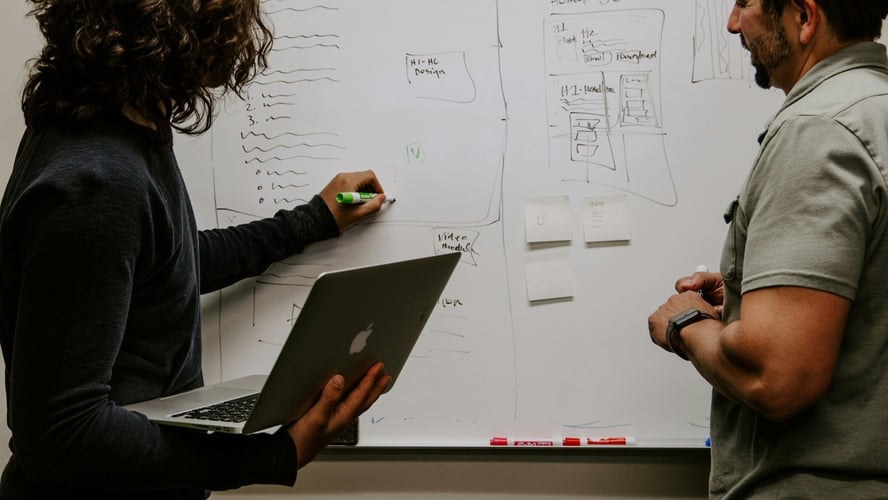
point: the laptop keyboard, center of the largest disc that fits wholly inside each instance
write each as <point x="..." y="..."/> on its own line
<point x="237" y="410"/>
<point x="234" y="410"/>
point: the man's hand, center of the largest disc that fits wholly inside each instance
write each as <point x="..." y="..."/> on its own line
<point x="659" y="319"/>
<point x="710" y="286"/>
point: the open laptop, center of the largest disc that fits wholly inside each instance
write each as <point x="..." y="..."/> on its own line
<point x="351" y="319"/>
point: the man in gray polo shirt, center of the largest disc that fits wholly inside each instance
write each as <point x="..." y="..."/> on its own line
<point x="793" y="333"/>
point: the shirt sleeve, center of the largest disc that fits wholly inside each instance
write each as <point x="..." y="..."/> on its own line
<point x="232" y="254"/>
<point x="812" y="208"/>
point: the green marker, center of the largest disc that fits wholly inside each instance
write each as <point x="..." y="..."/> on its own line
<point x="356" y="197"/>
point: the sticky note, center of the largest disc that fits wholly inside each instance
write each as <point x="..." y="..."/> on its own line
<point x="548" y="276"/>
<point x="606" y="218"/>
<point x="547" y="219"/>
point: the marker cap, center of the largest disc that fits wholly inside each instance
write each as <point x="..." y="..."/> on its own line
<point x="499" y="441"/>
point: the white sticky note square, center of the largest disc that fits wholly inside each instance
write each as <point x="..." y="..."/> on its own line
<point x="606" y="218"/>
<point x="548" y="276"/>
<point x="547" y="218"/>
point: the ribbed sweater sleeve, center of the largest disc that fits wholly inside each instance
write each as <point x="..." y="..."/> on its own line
<point x="231" y="254"/>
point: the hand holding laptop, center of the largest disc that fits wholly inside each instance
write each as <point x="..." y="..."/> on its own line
<point x="331" y="413"/>
<point x="359" y="330"/>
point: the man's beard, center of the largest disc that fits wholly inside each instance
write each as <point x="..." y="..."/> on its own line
<point x="767" y="51"/>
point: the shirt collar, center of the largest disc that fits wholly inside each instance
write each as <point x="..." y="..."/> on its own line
<point x="854" y="56"/>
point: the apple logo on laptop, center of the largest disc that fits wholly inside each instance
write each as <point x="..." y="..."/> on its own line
<point x="360" y="341"/>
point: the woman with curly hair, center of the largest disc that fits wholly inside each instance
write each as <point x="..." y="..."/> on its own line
<point x="102" y="265"/>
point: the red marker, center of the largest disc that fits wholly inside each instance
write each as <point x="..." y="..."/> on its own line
<point x="521" y="442"/>
<point x="552" y="442"/>
<point x="610" y="441"/>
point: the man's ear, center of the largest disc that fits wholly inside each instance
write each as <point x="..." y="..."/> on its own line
<point x="807" y="17"/>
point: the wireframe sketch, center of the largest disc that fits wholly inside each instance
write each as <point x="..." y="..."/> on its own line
<point x="717" y="53"/>
<point x="351" y="86"/>
<point x="603" y="97"/>
<point x="419" y="91"/>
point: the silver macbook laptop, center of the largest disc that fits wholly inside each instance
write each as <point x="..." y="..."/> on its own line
<point x="351" y="319"/>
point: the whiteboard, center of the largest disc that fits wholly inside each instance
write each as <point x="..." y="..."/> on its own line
<point x="471" y="112"/>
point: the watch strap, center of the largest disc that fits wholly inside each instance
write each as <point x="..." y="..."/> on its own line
<point x="679" y="321"/>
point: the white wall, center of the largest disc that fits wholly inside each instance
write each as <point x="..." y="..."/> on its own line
<point x="368" y="474"/>
<point x="603" y="476"/>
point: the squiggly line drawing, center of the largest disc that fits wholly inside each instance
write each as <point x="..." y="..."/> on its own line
<point x="581" y="105"/>
<point x="288" y="186"/>
<point x="275" y="96"/>
<point x="307" y="47"/>
<point x="274" y="104"/>
<point x="287" y="158"/>
<point x="285" y="172"/>
<point x="305" y="37"/>
<point x="244" y="135"/>
<point x="290" y="200"/>
<point x="293" y="82"/>
<point x="294" y="9"/>
<point x="294" y="146"/>
<point x="297" y="70"/>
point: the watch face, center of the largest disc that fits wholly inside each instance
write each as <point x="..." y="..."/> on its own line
<point x="684" y="316"/>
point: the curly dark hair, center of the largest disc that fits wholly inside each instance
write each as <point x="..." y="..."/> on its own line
<point x="168" y="60"/>
<point x="850" y="19"/>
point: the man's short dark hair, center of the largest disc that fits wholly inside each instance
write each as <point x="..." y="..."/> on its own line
<point x="849" y="19"/>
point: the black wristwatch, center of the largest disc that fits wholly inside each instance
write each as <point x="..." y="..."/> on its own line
<point x="679" y="321"/>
